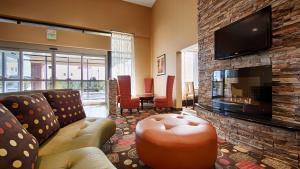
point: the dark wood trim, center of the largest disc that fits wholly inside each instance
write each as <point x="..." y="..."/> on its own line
<point x="177" y="109"/>
<point x="19" y="20"/>
<point x="109" y="65"/>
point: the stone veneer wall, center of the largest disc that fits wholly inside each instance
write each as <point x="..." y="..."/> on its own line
<point x="284" y="57"/>
<point x="112" y="93"/>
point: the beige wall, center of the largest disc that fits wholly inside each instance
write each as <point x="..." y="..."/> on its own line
<point x="37" y="35"/>
<point x="174" y="27"/>
<point x="109" y="15"/>
<point x="113" y="15"/>
<point x="142" y="62"/>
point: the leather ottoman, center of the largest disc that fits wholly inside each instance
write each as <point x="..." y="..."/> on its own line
<point x="173" y="141"/>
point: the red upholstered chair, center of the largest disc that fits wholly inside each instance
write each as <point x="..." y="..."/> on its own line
<point x="166" y="101"/>
<point x="126" y="101"/>
<point x="148" y="84"/>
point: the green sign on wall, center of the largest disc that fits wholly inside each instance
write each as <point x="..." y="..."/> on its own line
<point x="51" y="34"/>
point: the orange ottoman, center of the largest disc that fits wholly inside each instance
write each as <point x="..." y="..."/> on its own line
<point x="173" y="141"/>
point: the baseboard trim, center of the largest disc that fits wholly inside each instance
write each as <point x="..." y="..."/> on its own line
<point x="177" y="109"/>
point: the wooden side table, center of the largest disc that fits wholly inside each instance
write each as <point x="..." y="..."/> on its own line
<point x="145" y="97"/>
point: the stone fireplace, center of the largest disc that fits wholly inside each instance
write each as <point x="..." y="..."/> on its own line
<point x="282" y="142"/>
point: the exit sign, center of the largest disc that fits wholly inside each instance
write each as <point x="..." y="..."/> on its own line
<point x="51" y="34"/>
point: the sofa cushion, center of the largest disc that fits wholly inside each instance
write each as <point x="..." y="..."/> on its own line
<point x="88" y="157"/>
<point x="34" y="113"/>
<point x="18" y="148"/>
<point x="66" y="105"/>
<point x="88" y="132"/>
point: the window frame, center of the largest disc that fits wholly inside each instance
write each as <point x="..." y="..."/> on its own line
<point x="4" y="79"/>
<point x="21" y="80"/>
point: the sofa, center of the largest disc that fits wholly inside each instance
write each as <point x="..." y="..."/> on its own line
<point x="73" y="145"/>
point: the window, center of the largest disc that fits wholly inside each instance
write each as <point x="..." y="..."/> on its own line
<point x="75" y="68"/>
<point x="11" y="64"/>
<point x="36" y="70"/>
<point x="24" y="70"/>
<point x="68" y="67"/>
<point x="93" y="77"/>
<point x="34" y="85"/>
<point x="49" y="68"/>
<point x="62" y="67"/>
<point x="93" y="68"/>
<point x="1" y="71"/>
<point x="68" y="71"/>
<point x="10" y="74"/>
<point x="1" y="66"/>
<point x="123" y="56"/>
<point x="11" y="86"/>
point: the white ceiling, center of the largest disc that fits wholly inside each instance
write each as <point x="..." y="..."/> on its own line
<point x="147" y="3"/>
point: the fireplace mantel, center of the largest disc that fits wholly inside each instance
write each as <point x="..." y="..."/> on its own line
<point x="269" y="122"/>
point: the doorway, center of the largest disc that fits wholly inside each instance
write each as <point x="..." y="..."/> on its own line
<point x="189" y="75"/>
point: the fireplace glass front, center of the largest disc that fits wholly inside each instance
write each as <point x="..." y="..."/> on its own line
<point x="244" y="91"/>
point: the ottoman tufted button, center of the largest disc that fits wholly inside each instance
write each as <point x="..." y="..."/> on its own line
<point x="157" y="119"/>
<point x="167" y="127"/>
<point x="91" y="120"/>
<point x="193" y="123"/>
<point x="176" y="142"/>
<point x="180" y="117"/>
<point x="78" y="134"/>
<point x="83" y="126"/>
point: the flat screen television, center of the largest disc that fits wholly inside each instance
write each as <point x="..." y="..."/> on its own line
<point x="246" y="36"/>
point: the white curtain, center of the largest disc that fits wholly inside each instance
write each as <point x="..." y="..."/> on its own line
<point x="123" y="56"/>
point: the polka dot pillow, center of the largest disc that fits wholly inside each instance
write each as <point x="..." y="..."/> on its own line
<point x="18" y="148"/>
<point x="34" y="113"/>
<point x="66" y="105"/>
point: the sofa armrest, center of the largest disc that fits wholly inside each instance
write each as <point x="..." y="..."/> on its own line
<point x="87" y="158"/>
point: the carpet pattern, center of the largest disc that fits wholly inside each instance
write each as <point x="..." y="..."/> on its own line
<point x="121" y="149"/>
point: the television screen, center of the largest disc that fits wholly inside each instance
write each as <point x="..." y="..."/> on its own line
<point x="248" y="35"/>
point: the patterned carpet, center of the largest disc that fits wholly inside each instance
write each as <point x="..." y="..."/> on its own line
<point x="122" y="152"/>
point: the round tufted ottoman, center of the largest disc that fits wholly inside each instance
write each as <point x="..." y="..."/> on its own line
<point x="173" y="141"/>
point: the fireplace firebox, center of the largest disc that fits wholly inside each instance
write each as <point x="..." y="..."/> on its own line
<point x="243" y="92"/>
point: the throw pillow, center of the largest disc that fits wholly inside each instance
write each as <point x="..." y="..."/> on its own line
<point x="66" y="105"/>
<point x="18" y="148"/>
<point x="34" y="113"/>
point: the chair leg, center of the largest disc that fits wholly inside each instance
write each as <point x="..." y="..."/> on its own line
<point x="186" y="103"/>
<point x="193" y="103"/>
<point x="157" y="109"/>
<point x="138" y="110"/>
<point x="121" y="111"/>
<point x="130" y="111"/>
